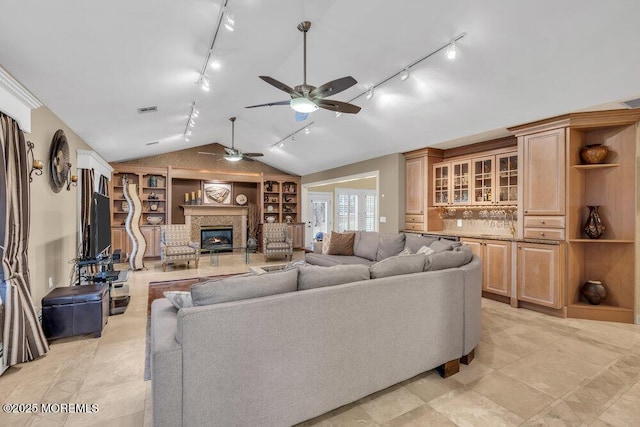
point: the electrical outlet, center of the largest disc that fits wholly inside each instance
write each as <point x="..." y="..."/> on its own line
<point x="459" y="223"/>
<point x="50" y="282"/>
<point x="383" y="219"/>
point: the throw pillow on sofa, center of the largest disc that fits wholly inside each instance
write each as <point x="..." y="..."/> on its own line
<point x="179" y="299"/>
<point x="366" y="244"/>
<point x="425" y="250"/>
<point x="457" y="257"/>
<point x="416" y="241"/>
<point x="326" y="241"/>
<point x="389" y="244"/>
<point x="397" y="265"/>
<point x="315" y="276"/>
<point x="244" y="287"/>
<point x="341" y="243"/>
<point x="444" y="245"/>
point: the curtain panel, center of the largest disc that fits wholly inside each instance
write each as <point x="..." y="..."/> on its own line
<point x="87" y="179"/>
<point x="22" y="336"/>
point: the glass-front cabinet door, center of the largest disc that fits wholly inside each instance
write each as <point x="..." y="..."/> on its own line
<point x="507" y="178"/>
<point x="483" y="181"/>
<point x="460" y="175"/>
<point x="441" y="184"/>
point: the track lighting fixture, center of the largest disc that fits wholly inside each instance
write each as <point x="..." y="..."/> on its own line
<point x="281" y="145"/>
<point x="292" y="136"/>
<point x="338" y="113"/>
<point x="307" y="130"/>
<point x="370" y="93"/>
<point x="451" y="50"/>
<point x="229" y="22"/>
<point x="405" y="72"/>
<point x="190" y="122"/>
<point x="205" y="84"/>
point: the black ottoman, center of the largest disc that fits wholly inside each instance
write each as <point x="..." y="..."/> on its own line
<point x="75" y="310"/>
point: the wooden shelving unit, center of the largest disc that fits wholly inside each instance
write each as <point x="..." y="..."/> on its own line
<point x="280" y="198"/>
<point x="611" y="186"/>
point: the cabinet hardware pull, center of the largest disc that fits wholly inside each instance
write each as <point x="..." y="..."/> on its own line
<point x="526" y="211"/>
<point x="542" y="221"/>
<point x="541" y="233"/>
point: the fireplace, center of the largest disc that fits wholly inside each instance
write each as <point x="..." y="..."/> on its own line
<point x="218" y="237"/>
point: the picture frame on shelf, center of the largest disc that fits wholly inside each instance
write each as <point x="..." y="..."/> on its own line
<point x="215" y="193"/>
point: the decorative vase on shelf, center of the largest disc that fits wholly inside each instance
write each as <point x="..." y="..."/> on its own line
<point x="153" y="181"/>
<point x="594" y="153"/>
<point x="593" y="227"/>
<point x="593" y="291"/>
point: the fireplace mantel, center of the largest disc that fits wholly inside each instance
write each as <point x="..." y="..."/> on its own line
<point x="208" y="210"/>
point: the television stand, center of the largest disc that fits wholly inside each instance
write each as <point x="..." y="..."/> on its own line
<point x="116" y="279"/>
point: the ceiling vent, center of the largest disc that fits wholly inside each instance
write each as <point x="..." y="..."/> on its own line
<point x="152" y="143"/>
<point x="152" y="109"/>
<point x="633" y="103"/>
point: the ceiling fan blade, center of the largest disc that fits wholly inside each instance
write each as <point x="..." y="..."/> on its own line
<point x="252" y="154"/>
<point x="301" y="117"/>
<point x="230" y="151"/>
<point x="333" y="87"/>
<point x="207" y="153"/>
<point x="248" y="159"/>
<point x="270" y="104"/>
<point x="283" y="87"/>
<point x="342" y="107"/>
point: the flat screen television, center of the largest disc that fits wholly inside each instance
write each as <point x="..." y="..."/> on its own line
<point x="100" y="230"/>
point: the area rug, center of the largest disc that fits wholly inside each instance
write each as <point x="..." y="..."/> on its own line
<point x="155" y="291"/>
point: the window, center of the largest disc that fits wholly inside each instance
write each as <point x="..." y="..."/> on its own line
<point x="356" y="209"/>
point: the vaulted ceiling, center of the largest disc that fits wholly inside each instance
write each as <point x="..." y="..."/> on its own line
<point x="95" y="63"/>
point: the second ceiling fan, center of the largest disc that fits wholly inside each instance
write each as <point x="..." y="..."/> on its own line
<point x="305" y="98"/>
<point x="232" y="154"/>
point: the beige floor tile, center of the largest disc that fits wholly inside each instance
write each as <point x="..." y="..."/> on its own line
<point x="465" y="407"/>
<point x="42" y="421"/>
<point x="114" y="402"/>
<point x="492" y="355"/>
<point x="432" y="385"/>
<point x="511" y="394"/>
<point x="351" y="416"/>
<point x="423" y="416"/>
<point x="391" y="405"/>
<point x="471" y="372"/>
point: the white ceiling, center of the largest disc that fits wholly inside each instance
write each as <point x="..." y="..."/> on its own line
<point x="94" y="63"/>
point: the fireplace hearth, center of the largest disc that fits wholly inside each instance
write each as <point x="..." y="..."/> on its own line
<point x="216" y="237"/>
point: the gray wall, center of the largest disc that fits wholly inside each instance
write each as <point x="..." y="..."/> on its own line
<point x="391" y="178"/>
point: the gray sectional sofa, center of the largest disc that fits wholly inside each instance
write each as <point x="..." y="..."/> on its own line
<point x="325" y="337"/>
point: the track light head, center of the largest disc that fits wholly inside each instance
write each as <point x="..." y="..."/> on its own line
<point x="370" y="93"/>
<point x="451" y="50"/>
<point x="404" y="74"/>
<point x="229" y="22"/>
<point x="205" y="84"/>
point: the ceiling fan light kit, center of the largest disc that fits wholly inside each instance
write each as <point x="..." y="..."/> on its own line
<point x="303" y="105"/>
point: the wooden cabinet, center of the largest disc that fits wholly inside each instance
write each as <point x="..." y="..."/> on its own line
<point x="415" y="185"/>
<point x="495" y="179"/>
<point x="120" y="240"/>
<point x="541" y="273"/>
<point x="419" y="213"/>
<point x="452" y="183"/>
<point x="281" y="198"/>
<point x="496" y="264"/>
<point x="152" y="236"/>
<point x="544" y="173"/>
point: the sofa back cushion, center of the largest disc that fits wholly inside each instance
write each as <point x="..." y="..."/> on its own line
<point x="454" y="258"/>
<point x="366" y="244"/>
<point x="341" y="243"/>
<point x="396" y="265"/>
<point x="444" y="245"/>
<point x="416" y="241"/>
<point x="244" y="287"/>
<point x="315" y="276"/>
<point x="389" y="244"/>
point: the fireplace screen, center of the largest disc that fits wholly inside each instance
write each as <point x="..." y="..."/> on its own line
<point x="218" y="238"/>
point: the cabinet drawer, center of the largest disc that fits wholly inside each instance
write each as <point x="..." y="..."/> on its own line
<point x="414" y="218"/>
<point x="413" y="227"/>
<point x="544" y="221"/>
<point x="544" y="233"/>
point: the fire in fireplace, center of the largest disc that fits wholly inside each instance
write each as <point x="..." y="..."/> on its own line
<point x="216" y="237"/>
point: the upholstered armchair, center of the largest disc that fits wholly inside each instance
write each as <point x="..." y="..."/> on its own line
<point x="276" y="241"/>
<point x="175" y="245"/>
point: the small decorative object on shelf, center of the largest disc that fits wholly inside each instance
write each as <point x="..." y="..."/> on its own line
<point x="269" y="208"/>
<point x="269" y="186"/>
<point x="153" y="181"/>
<point x="593" y="227"/>
<point x="154" y="220"/>
<point x="125" y="206"/>
<point x="153" y="206"/>
<point x="271" y="219"/>
<point x="288" y="219"/>
<point x="153" y="196"/>
<point x="594" y="153"/>
<point x="593" y="291"/>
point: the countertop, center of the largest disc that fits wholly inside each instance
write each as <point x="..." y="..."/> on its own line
<point x="487" y="236"/>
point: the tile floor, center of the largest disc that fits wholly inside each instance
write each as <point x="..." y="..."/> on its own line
<point x="529" y="369"/>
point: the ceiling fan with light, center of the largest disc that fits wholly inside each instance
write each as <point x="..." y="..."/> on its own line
<point x="232" y="154"/>
<point x="305" y="98"/>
